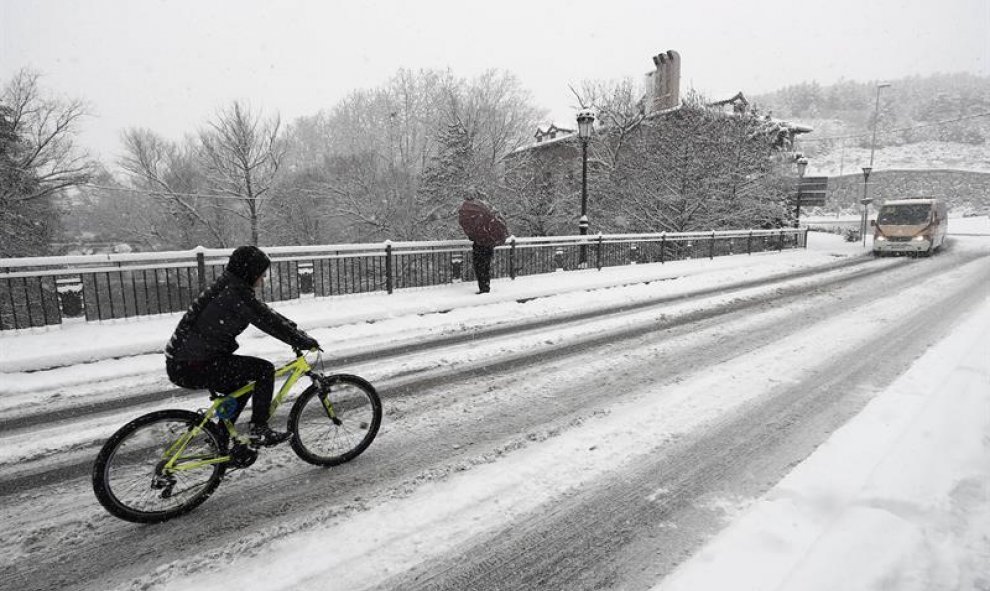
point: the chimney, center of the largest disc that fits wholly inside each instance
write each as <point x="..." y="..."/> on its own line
<point x="663" y="90"/>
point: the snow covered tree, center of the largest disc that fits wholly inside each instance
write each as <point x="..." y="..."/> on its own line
<point x="43" y="128"/>
<point x="693" y="169"/>
<point x="241" y="155"/>
<point x="385" y="151"/>
<point x="168" y="180"/>
<point x="618" y="108"/>
<point x="447" y="178"/>
<point x="39" y="160"/>
<point x="542" y="191"/>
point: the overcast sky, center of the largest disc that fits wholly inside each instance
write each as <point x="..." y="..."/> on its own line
<point x="169" y="64"/>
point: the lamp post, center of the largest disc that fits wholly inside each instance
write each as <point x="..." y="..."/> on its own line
<point x="876" y="118"/>
<point x="868" y="169"/>
<point x="865" y="200"/>
<point x="585" y="121"/>
<point x="802" y="165"/>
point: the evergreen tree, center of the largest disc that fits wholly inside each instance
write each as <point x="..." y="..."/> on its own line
<point x="447" y="179"/>
<point x="27" y="227"/>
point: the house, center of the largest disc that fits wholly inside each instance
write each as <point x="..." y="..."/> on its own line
<point x="661" y="95"/>
<point x="552" y="132"/>
<point x="783" y="133"/>
<point x="736" y="104"/>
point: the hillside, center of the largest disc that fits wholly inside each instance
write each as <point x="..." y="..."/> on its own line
<point x="939" y="121"/>
<point x="840" y="160"/>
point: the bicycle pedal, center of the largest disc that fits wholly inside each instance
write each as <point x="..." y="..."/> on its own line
<point x="242" y="456"/>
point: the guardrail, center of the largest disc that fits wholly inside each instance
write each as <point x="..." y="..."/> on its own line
<point x="42" y="291"/>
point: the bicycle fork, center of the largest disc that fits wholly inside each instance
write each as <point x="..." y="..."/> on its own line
<point x="324" y="394"/>
<point x="328" y="407"/>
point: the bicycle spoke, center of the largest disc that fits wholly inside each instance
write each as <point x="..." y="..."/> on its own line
<point x="328" y="441"/>
<point x="131" y="480"/>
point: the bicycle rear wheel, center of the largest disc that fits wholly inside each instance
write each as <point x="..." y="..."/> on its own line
<point x="129" y="476"/>
<point x="334" y="423"/>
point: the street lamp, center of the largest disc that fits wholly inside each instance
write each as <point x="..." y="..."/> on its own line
<point x="876" y="118"/>
<point x="867" y="169"/>
<point x="802" y="165"/>
<point x="865" y="200"/>
<point x="585" y="121"/>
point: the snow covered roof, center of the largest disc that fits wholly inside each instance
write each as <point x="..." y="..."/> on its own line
<point x="738" y="98"/>
<point x="552" y="128"/>
<point x="546" y="141"/>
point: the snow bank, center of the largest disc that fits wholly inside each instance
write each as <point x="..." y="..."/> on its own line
<point x="84" y="342"/>
<point x="898" y="498"/>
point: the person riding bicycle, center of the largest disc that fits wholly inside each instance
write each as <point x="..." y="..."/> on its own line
<point x="200" y="353"/>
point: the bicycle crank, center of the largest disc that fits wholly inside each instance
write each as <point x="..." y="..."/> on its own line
<point x="242" y="456"/>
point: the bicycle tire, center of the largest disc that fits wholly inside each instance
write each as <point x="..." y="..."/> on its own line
<point x="146" y="496"/>
<point x="318" y="439"/>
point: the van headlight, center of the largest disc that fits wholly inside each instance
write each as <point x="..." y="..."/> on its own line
<point x="881" y="238"/>
<point x="920" y="238"/>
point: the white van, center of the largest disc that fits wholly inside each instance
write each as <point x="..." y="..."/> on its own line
<point x="911" y="226"/>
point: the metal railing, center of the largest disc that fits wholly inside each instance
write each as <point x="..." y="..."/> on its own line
<point x="41" y="291"/>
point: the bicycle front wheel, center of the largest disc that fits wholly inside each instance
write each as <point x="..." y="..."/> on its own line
<point x="334" y="423"/>
<point x="134" y="480"/>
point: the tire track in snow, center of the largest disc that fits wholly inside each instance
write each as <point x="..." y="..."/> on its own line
<point x="633" y="529"/>
<point x="47" y="471"/>
<point x="245" y="505"/>
<point x="12" y="424"/>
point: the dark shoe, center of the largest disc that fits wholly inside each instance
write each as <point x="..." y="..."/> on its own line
<point x="486" y="290"/>
<point x="264" y="436"/>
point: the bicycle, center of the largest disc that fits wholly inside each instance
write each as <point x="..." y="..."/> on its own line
<point x="166" y="463"/>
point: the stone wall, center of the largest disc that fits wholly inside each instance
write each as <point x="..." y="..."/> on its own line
<point x="965" y="192"/>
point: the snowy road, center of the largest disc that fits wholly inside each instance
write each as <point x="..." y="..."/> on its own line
<point x="582" y="448"/>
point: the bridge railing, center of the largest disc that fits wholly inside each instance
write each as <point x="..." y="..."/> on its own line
<point x="42" y="291"/>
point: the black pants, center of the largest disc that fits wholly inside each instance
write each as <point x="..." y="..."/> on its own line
<point x="226" y="374"/>
<point x="482" y="256"/>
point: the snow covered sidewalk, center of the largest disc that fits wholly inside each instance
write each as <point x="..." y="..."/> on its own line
<point x="898" y="498"/>
<point x="78" y="341"/>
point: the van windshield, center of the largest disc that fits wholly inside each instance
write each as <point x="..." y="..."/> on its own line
<point x="904" y="215"/>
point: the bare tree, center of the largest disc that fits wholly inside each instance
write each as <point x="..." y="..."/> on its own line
<point x="483" y="121"/>
<point x="618" y="108"/>
<point x="242" y="154"/>
<point x="542" y="184"/>
<point x="170" y="174"/>
<point x="45" y="127"/>
<point x="388" y="157"/>
<point x="38" y="161"/>
<point x="378" y="143"/>
<point x="107" y="211"/>
<point x="498" y="113"/>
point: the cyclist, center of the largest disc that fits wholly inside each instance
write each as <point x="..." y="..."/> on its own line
<point x="200" y="353"/>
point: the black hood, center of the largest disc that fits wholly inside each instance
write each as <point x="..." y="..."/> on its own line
<point x="248" y="263"/>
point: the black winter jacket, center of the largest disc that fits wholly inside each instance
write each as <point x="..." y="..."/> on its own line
<point x="210" y="327"/>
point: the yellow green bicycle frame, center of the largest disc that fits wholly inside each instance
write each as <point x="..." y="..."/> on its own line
<point x="176" y="462"/>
